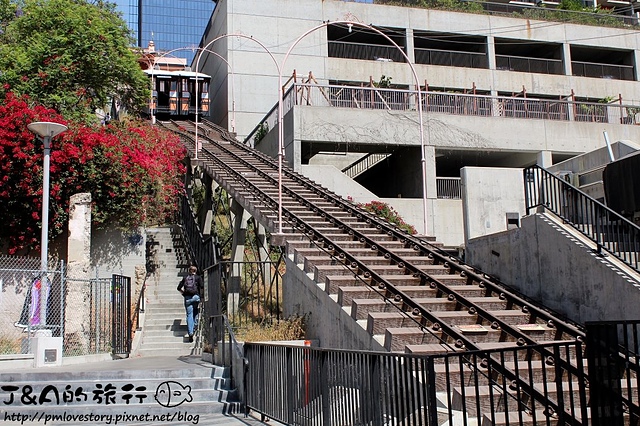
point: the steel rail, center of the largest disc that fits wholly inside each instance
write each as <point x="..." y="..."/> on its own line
<point x="409" y="304"/>
<point x="434" y="253"/>
<point x="425" y="248"/>
<point x="462" y="342"/>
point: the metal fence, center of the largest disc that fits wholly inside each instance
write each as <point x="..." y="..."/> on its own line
<point x="82" y="311"/>
<point x="608" y="229"/>
<point x="517" y="385"/>
<point x="448" y="188"/>
<point x="613" y="356"/>
<point x="88" y="323"/>
<point x="245" y="291"/>
<point x="479" y="105"/>
<point x="26" y="305"/>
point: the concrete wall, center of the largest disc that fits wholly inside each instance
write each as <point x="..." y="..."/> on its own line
<point x="117" y="252"/>
<point x="487" y="195"/>
<point x="548" y="263"/>
<point x="390" y="128"/>
<point x="277" y="25"/>
<point x="597" y="158"/>
<point x="326" y="321"/>
<point x="336" y="181"/>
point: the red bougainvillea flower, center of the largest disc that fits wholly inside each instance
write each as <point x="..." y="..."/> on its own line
<point x="133" y="172"/>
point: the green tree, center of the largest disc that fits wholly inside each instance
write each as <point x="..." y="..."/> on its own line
<point x="70" y="55"/>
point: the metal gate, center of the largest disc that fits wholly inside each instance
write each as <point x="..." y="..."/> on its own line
<point x="121" y="314"/>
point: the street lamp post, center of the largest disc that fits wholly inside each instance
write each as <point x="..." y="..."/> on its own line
<point x="203" y="49"/>
<point x="45" y="130"/>
<point x="350" y="24"/>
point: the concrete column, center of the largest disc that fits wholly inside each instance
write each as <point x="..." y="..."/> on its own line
<point x="77" y="303"/>
<point x="240" y="218"/>
<point x="263" y="253"/>
<point x="566" y="59"/>
<point x="409" y="46"/>
<point x="206" y="210"/>
<point x="544" y="159"/>
<point x="430" y="157"/>
<point x="491" y="52"/>
<point x="636" y="65"/>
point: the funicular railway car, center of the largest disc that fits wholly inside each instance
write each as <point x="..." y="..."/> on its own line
<point x="174" y="93"/>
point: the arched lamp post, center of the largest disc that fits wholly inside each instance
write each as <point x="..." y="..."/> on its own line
<point x="45" y="130"/>
<point x="203" y="49"/>
<point x="350" y="24"/>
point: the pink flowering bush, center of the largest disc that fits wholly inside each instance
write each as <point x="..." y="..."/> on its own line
<point x="385" y="211"/>
<point x="133" y="172"/>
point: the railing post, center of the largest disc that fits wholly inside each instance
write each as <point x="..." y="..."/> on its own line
<point x="432" y="401"/>
<point x="324" y="388"/>
<point x="604" y="374"/>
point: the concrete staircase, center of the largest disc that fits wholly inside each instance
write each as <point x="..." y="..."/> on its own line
<point x="165" y="323"/>
<point x="134" y="387"/>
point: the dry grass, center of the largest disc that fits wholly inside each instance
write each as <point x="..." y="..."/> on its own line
<point x="10" y="345"/>
<point x="288" y="329"/>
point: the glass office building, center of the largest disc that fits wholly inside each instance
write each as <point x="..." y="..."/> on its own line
<point x="171" y="24"/>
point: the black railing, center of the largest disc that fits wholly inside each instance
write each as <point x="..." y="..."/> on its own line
<point x="517" y="385"/>
<point x="363" y="164"/>
<point x="227" y="351"/>
<point x="613" y="355"/>
<point x="451" y="58"/>
<point x="526" y="64"/>
<point x="372" y="52"/>
<point x="202" y="250"/>
<point x="121" y="315"/>
<point x="609" y="230"/>
<point x="608" y="71"/>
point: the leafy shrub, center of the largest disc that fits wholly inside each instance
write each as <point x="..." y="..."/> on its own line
<point x="385" y="211"/>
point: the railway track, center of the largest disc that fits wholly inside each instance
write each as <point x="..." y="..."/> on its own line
<point x="383" y="256"/>
<point x="416" y="297"/>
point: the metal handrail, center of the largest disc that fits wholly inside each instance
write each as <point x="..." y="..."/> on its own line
<point x="230" y="353"/>
<point x="468" y="104"/>
<point x="201" y="249"/>
<point x="363" y="164"/>
<point x="609" y="230"/>
<point x="140" y="306"/>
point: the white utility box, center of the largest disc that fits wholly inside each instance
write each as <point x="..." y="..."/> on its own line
<point x="47" y="350"/>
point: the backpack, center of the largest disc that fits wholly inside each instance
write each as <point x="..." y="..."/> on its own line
<point x="190" y="285"/>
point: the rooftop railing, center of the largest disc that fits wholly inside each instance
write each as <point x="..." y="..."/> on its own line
<point x="451" y="58"/>
<point x="356" y="97"/>
<point x="524" y="9"/>
<point x="528" y="64"/>
<point x="608" y="71"/>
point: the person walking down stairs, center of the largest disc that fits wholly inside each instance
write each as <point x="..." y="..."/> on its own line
<point x="191" y="288"/>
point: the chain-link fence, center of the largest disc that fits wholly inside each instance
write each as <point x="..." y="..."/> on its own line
<point x="88" y="317"/>
<point x="29" y="301"/>
<point x="80" y="310"/>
